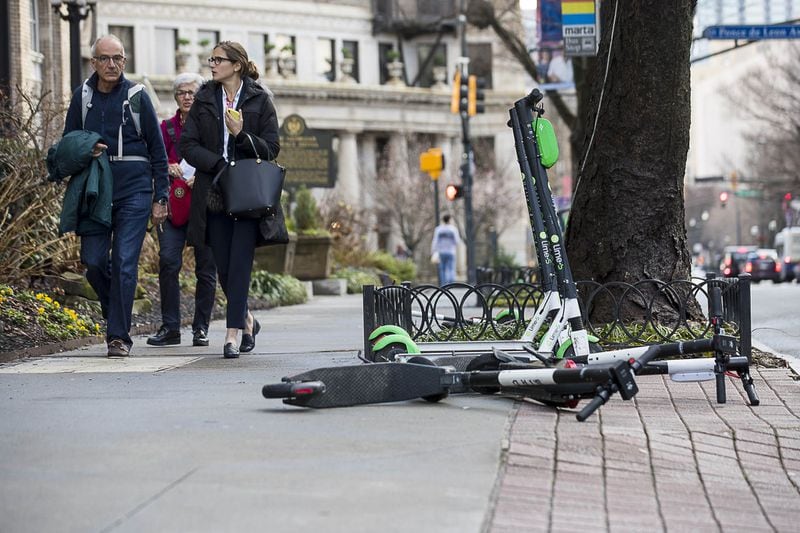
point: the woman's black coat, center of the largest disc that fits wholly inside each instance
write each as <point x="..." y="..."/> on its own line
<point x="201" y="146"/>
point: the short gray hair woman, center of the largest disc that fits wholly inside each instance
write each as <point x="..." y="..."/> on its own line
<point x="185" y="78"/>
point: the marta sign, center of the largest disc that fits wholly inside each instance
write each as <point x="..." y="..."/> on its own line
<point x="579" y="27"/>
<point x="753" y="33"/>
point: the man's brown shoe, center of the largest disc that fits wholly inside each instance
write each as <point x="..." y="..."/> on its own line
<point x="118" y="348"/>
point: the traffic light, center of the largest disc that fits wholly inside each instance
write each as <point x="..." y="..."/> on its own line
<point x="723" y="198"/>
<point x="453" y="191"/>
<point x="476" y="95"/>
<point x="458" y="100"/>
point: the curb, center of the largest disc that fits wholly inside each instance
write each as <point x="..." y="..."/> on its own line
<point x="791" y="360"/>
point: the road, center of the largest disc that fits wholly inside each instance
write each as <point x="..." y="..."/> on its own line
<point x="776" y="316"/>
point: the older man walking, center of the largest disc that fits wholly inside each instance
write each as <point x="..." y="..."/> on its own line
<point x="123" y="115"/>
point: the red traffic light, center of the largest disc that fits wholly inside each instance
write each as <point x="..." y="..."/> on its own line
<point x="723" y="198"/>
<point x="453" y="191"/>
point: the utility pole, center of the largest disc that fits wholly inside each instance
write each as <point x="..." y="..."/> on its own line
<point x="77" y="10"/>
<point x="467" y="157"/>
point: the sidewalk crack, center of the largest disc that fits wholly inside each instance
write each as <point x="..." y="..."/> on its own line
<point x="133" y="512"/>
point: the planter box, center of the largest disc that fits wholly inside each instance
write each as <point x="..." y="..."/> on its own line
<point x="312" y="257"/>
<point x="278" y="259"/>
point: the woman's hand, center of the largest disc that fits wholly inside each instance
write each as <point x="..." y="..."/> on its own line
<point x="189" y="182"/>
<point x="234" y="125"/>
<point x="175" y="170"/>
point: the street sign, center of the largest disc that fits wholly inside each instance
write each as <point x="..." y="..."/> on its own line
<point x="752" y="33"/>
<point x="749" y="193"/>
<point x="579" y="27"/>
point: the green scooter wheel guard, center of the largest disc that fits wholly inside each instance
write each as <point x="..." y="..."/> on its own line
<point x="404" y="340"/>
<point x="387" y="329"/>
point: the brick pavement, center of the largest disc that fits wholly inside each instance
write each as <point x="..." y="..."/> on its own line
<point x="672" y="459"/>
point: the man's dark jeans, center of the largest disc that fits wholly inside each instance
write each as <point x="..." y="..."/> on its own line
<point x="172" y="241"/>
<point x="114" y="279"/>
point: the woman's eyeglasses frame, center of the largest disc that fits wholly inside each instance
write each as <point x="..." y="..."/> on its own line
<point x="216" y="60"/>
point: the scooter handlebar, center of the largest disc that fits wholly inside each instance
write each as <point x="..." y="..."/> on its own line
<point x="534" y="97"/>
<point x="599" y="400"/>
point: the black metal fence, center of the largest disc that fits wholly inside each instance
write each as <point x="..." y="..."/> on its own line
<point x="647" y="312"/>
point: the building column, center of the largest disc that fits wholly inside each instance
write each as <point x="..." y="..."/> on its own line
<point x="368" y="162"/>
<point x="347" y="179"/>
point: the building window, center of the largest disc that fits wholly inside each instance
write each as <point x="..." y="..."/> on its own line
<point x="351" y="48"/>
<point x="285" y="44"/>
<point x="383" y="58"/>
<point x="480" y="61"/>
<point x="257" y="48"/>
<point x="36" y="56"/>
<point x="324" y="55"/>
<point x="35" y="27"/>
<point x="125" y="34"/>
<point x="165" y="39"/>
<point x="435" y="57"/>
<point x="436" y="8"/>
<point x="207" y="40"/>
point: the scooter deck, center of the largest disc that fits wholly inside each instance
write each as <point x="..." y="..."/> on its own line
<point x="374" y="383"/>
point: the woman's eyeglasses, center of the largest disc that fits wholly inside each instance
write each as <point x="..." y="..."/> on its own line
<point x="181" y="94"/>
<point x="103" y="60"/>
<point x="216" y="60"/>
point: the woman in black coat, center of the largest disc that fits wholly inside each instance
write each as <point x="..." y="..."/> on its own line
<point x="211" y="135"/>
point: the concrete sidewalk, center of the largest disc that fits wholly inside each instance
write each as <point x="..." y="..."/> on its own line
<point x="672" y="459"/>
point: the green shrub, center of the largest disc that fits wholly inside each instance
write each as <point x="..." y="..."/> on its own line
<point x="307" y="220"/>
<point x="277" y="289"/>
<point x="504" y="259"/>
<point x="357" y="277"/>
<point x="398" y="269"/>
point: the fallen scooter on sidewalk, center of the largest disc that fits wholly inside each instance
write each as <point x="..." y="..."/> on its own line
<point x="419" y="378"/>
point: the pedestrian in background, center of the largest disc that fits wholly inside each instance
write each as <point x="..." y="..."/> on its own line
<point x="138" y="161"/>
<point x="444" y="245"/>
<point x="172" y="235"/>
<point x="210" y="137"/>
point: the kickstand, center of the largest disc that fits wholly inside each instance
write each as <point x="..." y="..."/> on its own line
<point x="749" y="388"/>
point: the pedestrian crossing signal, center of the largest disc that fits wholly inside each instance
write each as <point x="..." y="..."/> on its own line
<point x="453" y="191"/>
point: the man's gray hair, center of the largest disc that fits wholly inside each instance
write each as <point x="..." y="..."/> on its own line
<point x="188" y="77"/>
<point x="109" y="36"/>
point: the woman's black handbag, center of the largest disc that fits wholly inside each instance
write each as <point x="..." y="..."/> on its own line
<point x="251" y="188"/>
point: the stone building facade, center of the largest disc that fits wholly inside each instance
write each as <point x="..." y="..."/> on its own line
<point x="330" y="62"/>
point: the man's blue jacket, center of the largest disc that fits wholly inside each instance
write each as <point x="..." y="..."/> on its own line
<point x="87" y="200"/>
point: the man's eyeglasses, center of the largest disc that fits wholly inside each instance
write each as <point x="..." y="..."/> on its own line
<point x="216" y="60"/>
<point x="103" y="60"/>
<point x="181" y="94"/>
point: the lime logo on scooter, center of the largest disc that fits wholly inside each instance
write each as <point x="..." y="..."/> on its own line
<point x="557" y="252"/>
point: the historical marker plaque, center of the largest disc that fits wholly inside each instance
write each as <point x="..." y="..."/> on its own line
<point x="307" y="154"/>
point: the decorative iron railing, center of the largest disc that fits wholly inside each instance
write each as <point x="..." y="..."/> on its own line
<point x="647" y="312"/>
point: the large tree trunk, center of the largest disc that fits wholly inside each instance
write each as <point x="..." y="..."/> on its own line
<point x="627" y="218"/>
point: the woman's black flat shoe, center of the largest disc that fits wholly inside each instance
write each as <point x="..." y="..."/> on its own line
<point x="230" y="351"/>
<point x="249" y="341"/>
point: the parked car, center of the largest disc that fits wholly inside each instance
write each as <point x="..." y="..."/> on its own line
<point x="763" y="264"/>
<point x="734" y="259"/>
<point x="787" y="244"/>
